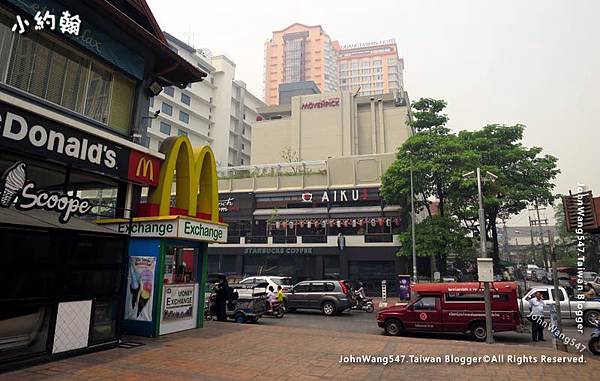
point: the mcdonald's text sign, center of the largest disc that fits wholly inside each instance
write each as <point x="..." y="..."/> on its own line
<point x="143" y="169"/>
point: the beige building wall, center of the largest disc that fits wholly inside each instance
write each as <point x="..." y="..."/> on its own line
<point x="319" y="62"/>
<point x="322" y="126"/>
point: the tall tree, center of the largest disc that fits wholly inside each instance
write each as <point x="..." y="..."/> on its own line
<point x="525" y="175"/>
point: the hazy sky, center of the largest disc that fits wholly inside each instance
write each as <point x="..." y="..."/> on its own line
<point x="510" y="61"/>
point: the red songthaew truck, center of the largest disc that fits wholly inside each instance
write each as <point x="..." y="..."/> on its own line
<point x="454" y="307"/>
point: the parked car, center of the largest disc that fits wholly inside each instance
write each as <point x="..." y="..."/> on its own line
<point x="453" y="307"/>
<point x="568" y="306"/>
<point x="539" y="275"/>
<point x="330" y="296"/>
<point x="274" y="281"/>
<point x="530" y="270"/>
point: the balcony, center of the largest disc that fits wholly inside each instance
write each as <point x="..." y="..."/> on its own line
<point x="353" y="171"/>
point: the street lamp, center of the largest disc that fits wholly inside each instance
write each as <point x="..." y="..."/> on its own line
<point x="412" y="217"/>
<point x="486" y="285"/>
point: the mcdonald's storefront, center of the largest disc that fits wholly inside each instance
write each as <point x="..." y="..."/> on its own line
<point x="62" y="276"/>
<point x="167" y="256"/>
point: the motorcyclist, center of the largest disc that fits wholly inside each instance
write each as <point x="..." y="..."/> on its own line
<point x="360" y="293"/>
<point x="271" y="298"/>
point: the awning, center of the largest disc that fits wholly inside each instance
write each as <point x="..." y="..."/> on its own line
<point x="356" y="211"/>
<point x="48" y="220"/>
<point x="263" y="214"/>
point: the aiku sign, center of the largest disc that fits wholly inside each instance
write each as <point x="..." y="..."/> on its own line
<point x="324" y="103"/>
<point x="336" y="195"/>
<point x="15" y="188"/>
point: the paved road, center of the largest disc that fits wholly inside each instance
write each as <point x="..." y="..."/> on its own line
<point x="270" y="351"/>
<point x="362" y="322"/>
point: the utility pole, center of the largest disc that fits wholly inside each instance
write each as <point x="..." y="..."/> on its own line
<point x="482" y="236"/>
<point x="412" y="219"/>
<point x="538" y="222"/>
<point x="532" y="241"/>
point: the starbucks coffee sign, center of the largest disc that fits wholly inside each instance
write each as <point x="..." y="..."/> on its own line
<point x="180" y="227"/>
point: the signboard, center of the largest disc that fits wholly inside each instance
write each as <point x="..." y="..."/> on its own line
<point x="369" y="44"/>
<point x="143" y="169"/>
<point x="336" y="195"/>
<point x="178" y="303"/>
<point x="201" y="231"/>
<point x="176" y="227"/>
<point x="15" y="188"/>
<point x="278" y="250"/>
<point x="23" y="131"/>
<point x="323" y="103"/>
<point x="485" y="269"/>
<point x="140" y="288"/>
<point x="404" y="287"/>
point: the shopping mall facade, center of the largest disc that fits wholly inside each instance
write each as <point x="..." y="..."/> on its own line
<point x="312" y="220"/>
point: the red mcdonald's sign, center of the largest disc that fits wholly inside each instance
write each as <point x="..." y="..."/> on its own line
<point x="143" y="168"/>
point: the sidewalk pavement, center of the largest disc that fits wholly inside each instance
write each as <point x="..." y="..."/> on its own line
<point x="229" y="351"/>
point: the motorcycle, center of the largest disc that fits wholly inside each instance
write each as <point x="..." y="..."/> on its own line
<point x="363" y="304"/>
<point x="277" y="310"/>
<point x="594" y="343"/>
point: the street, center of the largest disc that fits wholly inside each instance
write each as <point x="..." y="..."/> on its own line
<point x="308" y="346"/>
<point x="362" y="322"/>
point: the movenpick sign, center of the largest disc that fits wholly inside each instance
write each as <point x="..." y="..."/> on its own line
<point x="323" y="103"/>
<point x="180" y="227"/>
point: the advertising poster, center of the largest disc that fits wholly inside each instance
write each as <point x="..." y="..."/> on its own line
<point x="179" y="302"/>
<point x="404" y="287"/>
<point x="140" y="287"/>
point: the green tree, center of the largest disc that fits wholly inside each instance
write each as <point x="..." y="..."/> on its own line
<point x="437" y="236"/>
<point x="525" y="175"/>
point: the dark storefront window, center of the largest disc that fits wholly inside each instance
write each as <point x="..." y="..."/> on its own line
<point x="371" y="273"/>
<point x="331" y="267"/>
<point x="44" y="267"/>
<point x="43" y="66"/>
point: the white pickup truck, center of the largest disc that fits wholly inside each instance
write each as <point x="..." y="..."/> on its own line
<point x="584" y="311"/>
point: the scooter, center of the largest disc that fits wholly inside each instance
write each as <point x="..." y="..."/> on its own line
<point x="277" y="310"/>
<point x="594" y="343"/>
<point x="363" y="304"/>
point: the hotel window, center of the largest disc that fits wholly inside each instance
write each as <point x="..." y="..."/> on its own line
<point x="165" y="128"/>
<point x="377" y="63"/>
<point x="167" y="108"/>
<point x="151" y="101"/>
<point x="184" y="117"/>
<point x="355" y="65"/>
<point x="170" y="91"/>
<point x="391" y="61"/>
<point x="44" y="66"/>
<point x="185" y="99"/>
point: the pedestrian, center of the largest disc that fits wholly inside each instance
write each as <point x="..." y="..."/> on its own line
<point x="222" y="292"/>
<point x="536" y="305"/>
<point x="590" y="292"/>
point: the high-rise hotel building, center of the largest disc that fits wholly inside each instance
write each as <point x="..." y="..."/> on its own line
<point x="371" y="68"/>
<point x="300" y="53"/>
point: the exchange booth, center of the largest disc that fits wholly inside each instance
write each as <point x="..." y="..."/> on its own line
<point x="168" y="249"/>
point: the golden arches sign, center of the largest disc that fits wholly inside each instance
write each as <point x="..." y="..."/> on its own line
<point x="196" y="173"/>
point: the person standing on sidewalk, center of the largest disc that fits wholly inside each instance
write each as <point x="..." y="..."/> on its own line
<point x="536" y="305"/>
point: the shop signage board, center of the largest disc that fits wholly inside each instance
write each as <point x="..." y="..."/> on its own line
<point x="181" y="227"/>
<point x="143" y="168"/>
<point x="278" y="250"/>
<point x="23" y="131"/>
<point x="178" y="303"/>
<point x="336" y="195"/>
<point x="16" y="190"/>
<point x="140" y="287"/>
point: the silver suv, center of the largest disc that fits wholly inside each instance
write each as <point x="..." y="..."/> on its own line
<point x="329" y="296"/>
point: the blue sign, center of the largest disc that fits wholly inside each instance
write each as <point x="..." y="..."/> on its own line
<point x="404" y="287"/>
<point x="90" y="38"/>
